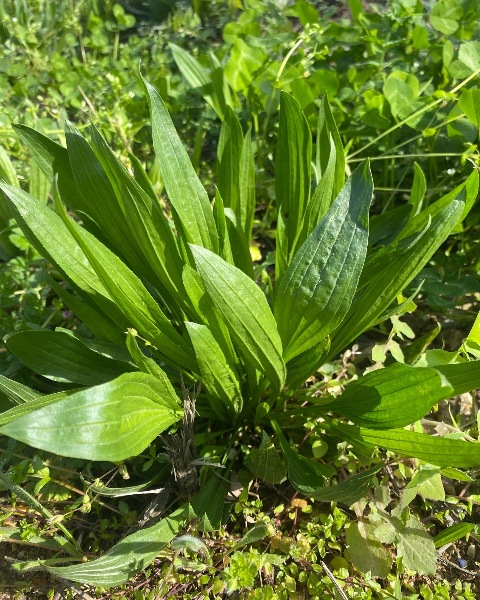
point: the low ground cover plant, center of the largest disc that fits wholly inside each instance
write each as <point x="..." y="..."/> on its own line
<point x="192" y="341"/>
<point x="381" y="66"/>
<point x="240" y="55"/>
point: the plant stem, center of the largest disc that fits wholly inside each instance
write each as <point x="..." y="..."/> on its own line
<point x="426" y="155"/>
<point x="420" y="135"/>
<point x="287" y="57"/>
<point x="417" y="113"/>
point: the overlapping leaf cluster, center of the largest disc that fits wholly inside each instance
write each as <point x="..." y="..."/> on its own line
<point x="178" y="277"/>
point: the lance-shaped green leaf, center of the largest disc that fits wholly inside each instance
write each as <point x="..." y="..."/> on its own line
<point x="52" y="239"/>
<point x="132" y="554"/>
<point x="306" y="476"/>
<point x="322" y="197"/>
<point x="327" y="130"/>
<point x="392" y="397"/>
<point x="222" y="94"/>
<point x="318" y="286"/>
<point x="245" y="311"/>
<point x="147" y="364"/>
<point x="111" y="351"/>
<point x="474" y="335"/>
<point x="292" y="172"/>
<point x="16" y="392"/>
<point x="197" y="76"/>
<point x="281" y="258"/>
<point x="131" y="490"/>
<point x="444" y="452"/>
<point x="53" y="160"/>
<point x="143" y="221"/>
<point x="110" y="422"/>
<point x="61" y="357"/>
<point x="209" y="504"/>
<point x="472" y="343"/>
<point x="137" y="550"/>
<point x="97" y="322"/>
<point x="49" y="155"/>
<point x="419" y="187"/>
<point x="9" y="175"/>
<point x="141" y="177"/>
<point x="329" y="167"/>
<point x="453" y="533"/>
<point x="7" y="170"/>
<point x="132" y="297"/>
<point x="385" y="227"/>
<point x="99" y="202"/>
<point x="185" y="192"/>
<point x="27" y="407"/>
<point x="205" y="312"/>
<point x="350" y="490"/>
<point x="239" y="244"/>
<point x="229" y="151"/>
<point x="468" y="191"/>
<point x="218" y="376"/>
<point x="39" y="185"/>
<point x="225" y="248"/>
<point x="305" y="364"/>
<point x="395" y="268"/>
<point x="380" y="258"/>
<point x="236" y="178"/>
<point x="246" y="208"/>
<point x="463" y="377"/>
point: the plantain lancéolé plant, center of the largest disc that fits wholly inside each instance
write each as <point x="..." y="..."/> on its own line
<point x="171" y="297"/>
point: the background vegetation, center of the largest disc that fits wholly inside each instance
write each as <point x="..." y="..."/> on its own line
<point x="401" y="79"/>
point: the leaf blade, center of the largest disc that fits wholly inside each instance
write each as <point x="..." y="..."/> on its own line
<point x="111" y="422"/>
<point x="396" y="266"/>
<point x="292" y="178"/>
<point x="392" y="397"/>
<point x="186" y="194"/>
<point x="61" y="357"/>
<point x="245" y="311"/>
<point x="217" y="375"/>
<point x="131" y="297"/>
<point x="318" y="287"/>
<point x="443" y="452"/>
<point x="130" y="555"/>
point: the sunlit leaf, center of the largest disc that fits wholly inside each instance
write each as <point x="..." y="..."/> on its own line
<point x="62" y="357"/>
<point x="111" y="422"/>
<point x="185" y="192"/>
<point x="392" y="397"/>
<point x="135" y="552"/>
<point x="444" y="452"/>
<point x="246" y="312"/>
<point x="318" y="287"/>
